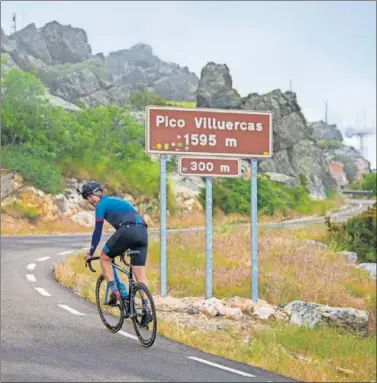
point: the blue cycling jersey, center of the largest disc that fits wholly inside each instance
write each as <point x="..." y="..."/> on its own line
<point x="115" y="211"/>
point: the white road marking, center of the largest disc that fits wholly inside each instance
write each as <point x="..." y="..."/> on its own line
<point x="65" y="252"/>
<point x="31" y="266"/>
<point x="43" y="259"/>
<point x="127" y="335"/>
<point x="42" y="291"/>
<point x="70" y="309"/>
<point x="31" y="278"/>
<point x="222" y="367"/>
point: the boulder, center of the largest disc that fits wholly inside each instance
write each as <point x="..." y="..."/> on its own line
<point x="370" y="267"/>
<point x="350" y="256"/>
<point x="84" y="218"/>
<point x="10" y="182"/>
<point x="314" y="314"/>
<point x="215" y="88"/>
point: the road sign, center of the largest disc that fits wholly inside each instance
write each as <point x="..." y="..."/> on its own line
<point x="209" y="166"/>
<point x="232" y="133"/>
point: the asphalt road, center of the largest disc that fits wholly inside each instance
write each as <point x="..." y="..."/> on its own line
<point x="50" y="334"/>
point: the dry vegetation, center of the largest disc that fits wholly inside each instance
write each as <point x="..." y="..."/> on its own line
<point x="289" y="270"/>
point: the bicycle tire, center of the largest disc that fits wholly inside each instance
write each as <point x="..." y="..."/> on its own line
<point x="142" y="286"/>
<point x="118" y="326"/>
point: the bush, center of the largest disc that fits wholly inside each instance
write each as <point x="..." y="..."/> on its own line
<point x="18" y="210"/>
<point x="43" y="175"/>
<point x="330" y="144"/>
<point x="370" y="183"/>
<point x="142" y="99"/>
<point x="233" y="196"/>
<point x="358" y="234"/>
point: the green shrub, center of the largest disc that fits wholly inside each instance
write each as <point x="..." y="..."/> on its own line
<point x="142" y="99"/>
<point x="16" y="209"/>
<point x="357" y="234"/>
<point x="370" y="182"/>
<point x="330" y="144"/>
<point x="233" y="196"/>
<point x="41" y="173"/>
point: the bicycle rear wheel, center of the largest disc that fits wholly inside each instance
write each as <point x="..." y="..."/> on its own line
<point x="147" y="321"/>
<point x="111" y="316"/>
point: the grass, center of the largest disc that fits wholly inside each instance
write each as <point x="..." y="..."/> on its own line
<point x="289" y="270"/>
<point x="183" y="104"/>
<point x="316" y="355"/>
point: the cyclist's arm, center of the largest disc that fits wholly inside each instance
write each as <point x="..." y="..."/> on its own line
<point x="96" y="237"/>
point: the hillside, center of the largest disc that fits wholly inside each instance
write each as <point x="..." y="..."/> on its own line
<point x="68" y="115"/>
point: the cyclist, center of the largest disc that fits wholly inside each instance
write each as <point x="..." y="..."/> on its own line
<point x="131" y="233"/>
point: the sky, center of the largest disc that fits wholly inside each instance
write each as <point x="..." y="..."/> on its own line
<point x="327" y="49"/>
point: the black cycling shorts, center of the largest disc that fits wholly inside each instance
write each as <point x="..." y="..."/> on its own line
<point x="132" y="237"/>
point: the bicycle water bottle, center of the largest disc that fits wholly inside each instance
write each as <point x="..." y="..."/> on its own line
<point x="122" y="288"/>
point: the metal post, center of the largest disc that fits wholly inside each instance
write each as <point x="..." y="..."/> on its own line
<point x="208" y="237"/>
<point x="254" y="231"/>
<point x="163" y="225"/>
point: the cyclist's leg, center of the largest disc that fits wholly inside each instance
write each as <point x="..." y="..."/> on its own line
<point x="113" y="247"/>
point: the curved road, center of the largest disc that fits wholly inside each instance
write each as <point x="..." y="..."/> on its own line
<point x="50" y="334"/>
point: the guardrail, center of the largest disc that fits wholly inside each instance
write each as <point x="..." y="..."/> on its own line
<point x="368" y="193"/>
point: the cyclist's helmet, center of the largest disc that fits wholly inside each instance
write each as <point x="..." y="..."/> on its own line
<point x="90" y="188"/>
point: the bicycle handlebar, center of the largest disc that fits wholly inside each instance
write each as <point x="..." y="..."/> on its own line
<point x="89" y="263"/>
<point x="130" y="253"/>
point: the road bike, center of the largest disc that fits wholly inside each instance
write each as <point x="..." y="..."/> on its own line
<point x="143" y="318"/>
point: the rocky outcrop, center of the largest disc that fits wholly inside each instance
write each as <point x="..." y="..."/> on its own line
<point x="54" y="43"/>
<point x="336" y="169"/>
<point x="126" y="71"/>
<point x="325" y="132"/>
<point x="295" y="150"/>
<point x="215" y="89"/>
<point x="313" y="315"/>
<point x="354" y="164"/>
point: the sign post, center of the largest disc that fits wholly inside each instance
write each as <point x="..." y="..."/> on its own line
<point x="228" y="134"/>
<point x="163" y="225"/>
<point x="208" y="237"/>
<point x="209" y="167"/>
<point x="254" y="229"/>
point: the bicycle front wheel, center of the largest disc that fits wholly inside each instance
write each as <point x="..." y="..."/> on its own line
<point x="144" y="321"/>
<point x="111" y="316"/>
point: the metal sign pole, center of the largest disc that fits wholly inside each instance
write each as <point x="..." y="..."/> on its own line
<point x="208" y="237"/>
<point x="163" y="225"/>
<point x="254" y="231"/>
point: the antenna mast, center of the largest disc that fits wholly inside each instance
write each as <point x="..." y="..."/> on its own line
<point x="326" y="113"/>
<point x="14" y="26"/>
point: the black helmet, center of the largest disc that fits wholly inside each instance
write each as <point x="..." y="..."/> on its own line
<point x="89" y="188"/>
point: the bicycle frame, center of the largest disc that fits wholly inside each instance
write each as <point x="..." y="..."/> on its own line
<point x="116" y="278"/>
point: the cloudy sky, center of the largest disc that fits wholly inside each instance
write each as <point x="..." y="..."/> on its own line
<point x="327" y="49"/>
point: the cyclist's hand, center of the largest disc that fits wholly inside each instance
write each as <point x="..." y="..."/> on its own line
<point x="87" y="258"/>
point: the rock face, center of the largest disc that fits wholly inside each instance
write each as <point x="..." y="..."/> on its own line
<point x="354" y="164"/>
<point x="336" y="169"/>
<point x="54" y="43"/>
<point x="110" y="81"/>
<point x="313" y="314"/>
<point x="295" y="150"/>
